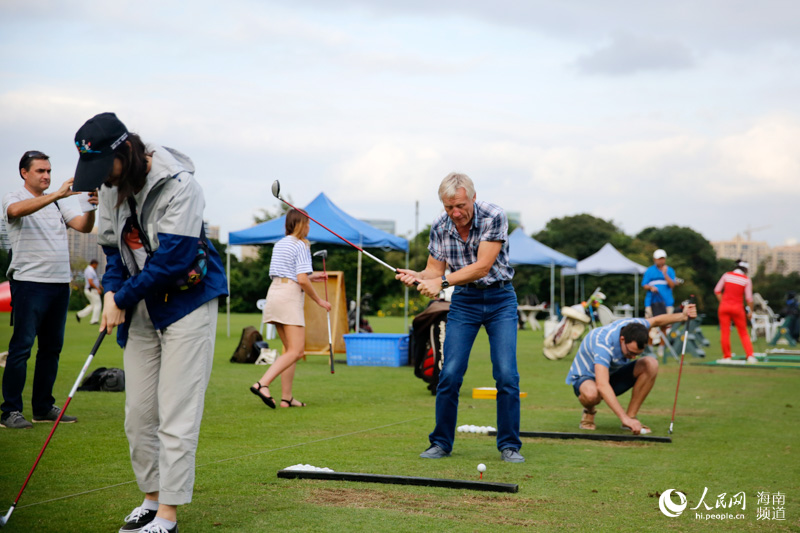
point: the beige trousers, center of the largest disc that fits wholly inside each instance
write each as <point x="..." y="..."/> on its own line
<point x="166" y="376"/>
<point x="94" y="308"/>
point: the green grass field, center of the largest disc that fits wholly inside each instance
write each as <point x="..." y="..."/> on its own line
<point x="736" y="430"/>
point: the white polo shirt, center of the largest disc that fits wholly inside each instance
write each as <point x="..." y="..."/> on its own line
<point x="40" y="251"/>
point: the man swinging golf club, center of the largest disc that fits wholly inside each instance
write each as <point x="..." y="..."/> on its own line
<point x="471" y="238"/>
<point x="606" y="367"/>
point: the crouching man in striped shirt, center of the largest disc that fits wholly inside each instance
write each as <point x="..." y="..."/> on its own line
<point x="606" y="367"/>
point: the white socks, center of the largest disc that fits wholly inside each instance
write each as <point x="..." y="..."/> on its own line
<point x="150" y="505"/>
<point x="164" y="522"/>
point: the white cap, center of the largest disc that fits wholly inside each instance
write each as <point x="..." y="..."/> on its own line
<point x="659" y="254"/>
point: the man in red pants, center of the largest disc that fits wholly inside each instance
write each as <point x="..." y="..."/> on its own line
<point x="732" y="290"/>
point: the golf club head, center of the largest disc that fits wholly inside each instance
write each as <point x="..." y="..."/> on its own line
<point x="321" y="253"/>
<point x="276" y="189"/>
<point x="4" y="519"/>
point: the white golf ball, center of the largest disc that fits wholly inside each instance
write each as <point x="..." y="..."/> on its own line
<point x="481" y="467"/>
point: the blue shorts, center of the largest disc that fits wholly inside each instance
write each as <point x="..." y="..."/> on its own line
<point x="622" y="380"/>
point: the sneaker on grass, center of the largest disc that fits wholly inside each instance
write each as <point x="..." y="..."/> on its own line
<point x="155" y="527"/>
<point x="137" y="520"/>
<point x="14" y="420"/>
<point x="52" y="416"/>
<point x="512" y="455"/>
<point x="434" y="452"/>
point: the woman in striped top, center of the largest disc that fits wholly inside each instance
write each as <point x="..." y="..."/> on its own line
<point x="291" y="273"/>
<point x="732" y="290"/>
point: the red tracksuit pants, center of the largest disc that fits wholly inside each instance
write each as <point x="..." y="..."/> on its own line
<point x="735" y="313"/>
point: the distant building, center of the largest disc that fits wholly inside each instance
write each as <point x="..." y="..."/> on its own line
<point x="754" y="252"/>
<point x="785" y="259"/>
<point x="384" y="225"/>
<point x="780" y="259"/>
<point x="249" y="252"/>
<point x="83" y="248"/>
<point x="5" y="243"/>
<point x="212" y="232"/>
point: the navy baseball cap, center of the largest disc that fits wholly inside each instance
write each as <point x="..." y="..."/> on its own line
<point x="96" y="141"/>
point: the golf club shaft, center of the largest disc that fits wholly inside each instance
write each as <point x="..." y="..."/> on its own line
<point x="680" y="371"/>
<point x="330" y="339"/>
<point x="63" y="410"/>
<point x="387" y="265"/>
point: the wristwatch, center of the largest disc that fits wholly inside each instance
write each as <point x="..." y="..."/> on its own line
<point x="445" y="283"/>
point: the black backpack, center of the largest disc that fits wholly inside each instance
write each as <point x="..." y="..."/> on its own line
<point x="247" y="351"/>
<point x="104" y="379"/>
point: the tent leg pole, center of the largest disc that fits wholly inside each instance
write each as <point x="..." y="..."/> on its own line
<point x="552" y="287"/>
<point x="358" y="297"/>
<point x="228" y="298"/>
<point x="405" y="308"/>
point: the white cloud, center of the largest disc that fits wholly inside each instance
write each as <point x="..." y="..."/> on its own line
<point x="764" y="157"/>
<point x="373" y="103"/>
<point x="627" y="53"/>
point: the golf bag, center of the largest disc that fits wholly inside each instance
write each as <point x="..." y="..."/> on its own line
<point x="791" y="312"/>
<point x="363" y="323"/>
<point x="657" y="304"/>
<point x="104" y="379"/>
<point x="426" y="342"/>
<point x="247" y="351"/>
<point x="559" y="343"/>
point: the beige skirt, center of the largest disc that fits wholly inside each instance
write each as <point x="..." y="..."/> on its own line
<point x="285" y="300"/>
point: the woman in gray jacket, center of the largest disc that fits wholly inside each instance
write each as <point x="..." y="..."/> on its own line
<point x="162" y="283"/>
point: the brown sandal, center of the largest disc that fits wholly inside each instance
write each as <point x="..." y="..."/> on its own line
<point x="266" y="399"/>
<point x="291" y="404"/>
<point x="587" y="419"/>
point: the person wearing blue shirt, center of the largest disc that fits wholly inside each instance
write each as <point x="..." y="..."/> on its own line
<point x="659" y="278"/>
<point x="658" y="282"/>
<point x="606" y="367"/>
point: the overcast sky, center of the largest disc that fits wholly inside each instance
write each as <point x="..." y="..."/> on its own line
<point x="644" y="113"/>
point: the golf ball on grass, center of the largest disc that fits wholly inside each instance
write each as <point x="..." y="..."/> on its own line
<point x="481" y="468"/>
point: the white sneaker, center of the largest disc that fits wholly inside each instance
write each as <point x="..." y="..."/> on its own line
<point x="751" y="360"/>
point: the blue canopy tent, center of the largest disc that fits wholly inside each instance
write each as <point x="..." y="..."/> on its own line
<point x="524" y="250"/>
<point x="322" y="209"/>
<point x="608" y="260"/>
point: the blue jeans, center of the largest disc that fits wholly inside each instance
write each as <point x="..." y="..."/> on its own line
<point x="496" y="310"/>
<point x="40" y="310"/>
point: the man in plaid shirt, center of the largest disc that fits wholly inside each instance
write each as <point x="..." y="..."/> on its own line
<point x="471" y="240"/>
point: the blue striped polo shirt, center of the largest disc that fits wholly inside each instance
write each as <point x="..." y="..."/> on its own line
<point x="601" y="346"/>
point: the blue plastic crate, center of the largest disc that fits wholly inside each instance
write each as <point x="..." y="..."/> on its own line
<point x="376" y="349"/>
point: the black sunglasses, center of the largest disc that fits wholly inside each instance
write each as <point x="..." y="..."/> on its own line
<point x="30" y="155"/>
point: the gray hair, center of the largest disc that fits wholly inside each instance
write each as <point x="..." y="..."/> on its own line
<point x="454" y="181"/>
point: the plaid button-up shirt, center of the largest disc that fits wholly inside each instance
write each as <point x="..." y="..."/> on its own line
<point x="489" y="223"/>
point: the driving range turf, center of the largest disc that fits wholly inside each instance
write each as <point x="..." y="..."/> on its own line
<point x="736" y="430"/>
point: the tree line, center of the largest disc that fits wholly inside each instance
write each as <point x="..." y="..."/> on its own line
<point x="577" y="236"/>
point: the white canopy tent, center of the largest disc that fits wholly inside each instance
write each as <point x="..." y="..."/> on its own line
<point x="607" y="260"/>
